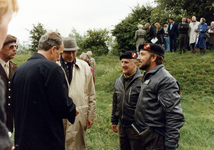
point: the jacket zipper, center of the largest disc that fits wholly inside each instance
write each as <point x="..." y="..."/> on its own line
<point x="130" y="95"/>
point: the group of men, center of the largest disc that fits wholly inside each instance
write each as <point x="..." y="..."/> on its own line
<point x="146" y="106"/>
<point x="187" y="31"/>
<point x="51" y="96"/>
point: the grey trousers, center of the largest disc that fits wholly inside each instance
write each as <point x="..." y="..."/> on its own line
<point x="183" y="42"/>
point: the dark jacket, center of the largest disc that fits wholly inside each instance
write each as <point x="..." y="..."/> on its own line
<point x="5" y="141"/>
<point x="183" y="28"/>
<point x="174" y="29"/>
<point x="40" y="101"/>
<point x="152" y="32"/>
<point x="125" y="100"/>
<point x="159" y="105"/>
<point x="160" y="36"/>
<point x="7" y="106"/>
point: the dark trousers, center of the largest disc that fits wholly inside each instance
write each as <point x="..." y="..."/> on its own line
<point x="153" y="140"/>
<point x="130" y="139"/>
<point x="173" y="41"/>
<point x="183" y="42"/>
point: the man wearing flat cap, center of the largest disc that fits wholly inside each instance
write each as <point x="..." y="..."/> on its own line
<point x="82" y="91"/>
<point x="126" y="91"/>
<point x="158" y="113"/>
<point x="7" y="69"/>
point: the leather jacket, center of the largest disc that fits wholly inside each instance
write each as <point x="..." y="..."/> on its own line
<point x="125" y="100"/>
<point x="159" y="105"/>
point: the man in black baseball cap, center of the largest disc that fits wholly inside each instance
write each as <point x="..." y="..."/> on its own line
<point x="158" y="113"/>
<point x="126" y="92"/>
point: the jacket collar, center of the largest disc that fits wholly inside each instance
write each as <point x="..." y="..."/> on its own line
<point x="153" y="71"/>
<point x="37" y="56"/>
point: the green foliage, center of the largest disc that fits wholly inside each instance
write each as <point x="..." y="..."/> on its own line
<point x="37" y="31"/>
<point x="180" y="8"/>
<point x="124" y="32"/>
<point x="96" y="40"/>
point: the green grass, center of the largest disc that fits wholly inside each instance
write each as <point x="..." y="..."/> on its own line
<point x="195" y="74"/>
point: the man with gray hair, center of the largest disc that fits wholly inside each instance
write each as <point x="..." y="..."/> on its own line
<point x="126" y="91"/>
<point x="92" y="62"/>
<point x="140" y="36"/>
<point x="82" y="91"/>
<point x="40" y="98"/>
<point x="211" y="32"/>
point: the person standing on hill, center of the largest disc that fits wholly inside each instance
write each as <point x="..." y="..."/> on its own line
<point x="82" y="91"/>
<point x="166" y="37"/>
<point x="160" y="34"/>
<point x="189" y="20"/>
<point x="211" y="33"/>
<point x="92" y="61"/>
<point x="40" y="100"/>
<point x="173" y="31"/>
<point x="183" y="29"/>
<point x="126" y="91"/>
<point x="193" y="34"/>
<point x="7" y="69"/>
<point x="151" y="31"/>
<point x="200" y="40"/>
<point x="158" y="113"/>
<point x="140" y="36"/>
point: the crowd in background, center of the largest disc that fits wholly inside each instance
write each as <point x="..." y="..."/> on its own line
<point x="189" y="34"/>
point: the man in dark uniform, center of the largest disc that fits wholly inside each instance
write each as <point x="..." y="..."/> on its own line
<point x="183" y="29"/>
<point x="40" y="99"/>
<point x="158" y="113"/>
<point x="151" y="31"/>
<point x="7" y="69"/>
<point x="126" y="91"/>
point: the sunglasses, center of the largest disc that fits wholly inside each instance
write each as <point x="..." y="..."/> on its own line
<point x="13" y="46"/>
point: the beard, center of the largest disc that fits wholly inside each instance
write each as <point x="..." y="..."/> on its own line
<point x="146" y="65"/>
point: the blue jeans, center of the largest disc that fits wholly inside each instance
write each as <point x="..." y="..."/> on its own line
<point x="173" y="39"/>
<point x="166" y="44"/>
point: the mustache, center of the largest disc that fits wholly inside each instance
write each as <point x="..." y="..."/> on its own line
<point x="13" y="53"/>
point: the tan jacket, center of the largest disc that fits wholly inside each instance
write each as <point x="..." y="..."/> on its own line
<point x="92" y="64"/>
<point x="192" y="33"/>
<point x="82" y="91"/>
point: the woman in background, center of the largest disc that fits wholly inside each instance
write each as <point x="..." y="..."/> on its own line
<point x="200" y="40"/>
<point x="85" y="57"/>
<point x="160" y="34"/>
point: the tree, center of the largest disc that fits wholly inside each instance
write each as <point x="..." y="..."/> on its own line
<point x="96" y="40"/>
<point x="124" y="31"/>
<point x="180" y="8"/>
<point x="37" y="31"/>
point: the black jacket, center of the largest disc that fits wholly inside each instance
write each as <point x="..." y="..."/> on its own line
<point x="5" y="140"/>
<point x="152" y="32"/>
<point x="125" y="100"/>
<point x="159" y="105"/>
<point x="174" y="29"/>
<point x="40" y="101"/>
<point x="183" y="28"/>
<point x="160" y="36"/>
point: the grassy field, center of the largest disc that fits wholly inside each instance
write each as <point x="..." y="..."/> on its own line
<point x="195" y="74"/>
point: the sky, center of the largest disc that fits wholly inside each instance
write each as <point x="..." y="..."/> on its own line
<point x="64" y="15"/>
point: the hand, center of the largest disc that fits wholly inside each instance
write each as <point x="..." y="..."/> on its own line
<point x="114" y="128"/>
<point x="195" y="30"/>
<point x="89" y="124"/>
<point x="211" y="31"/>
<point x="77" y="112"/>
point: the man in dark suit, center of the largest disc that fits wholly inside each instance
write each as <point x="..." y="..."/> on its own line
<point x="151" y="32"/>
<point x="40" y="98"/>
<point x="7" y="69"/>
<point x="173" y="31"/>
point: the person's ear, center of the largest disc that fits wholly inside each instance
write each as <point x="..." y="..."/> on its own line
<point x="153" y="58"/>
<point x="53" y="49"/>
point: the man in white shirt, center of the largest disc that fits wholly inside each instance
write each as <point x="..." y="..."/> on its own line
<point x="193" y="34"/>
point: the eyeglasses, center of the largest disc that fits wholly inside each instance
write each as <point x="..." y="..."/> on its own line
<point x="13" y="46"/>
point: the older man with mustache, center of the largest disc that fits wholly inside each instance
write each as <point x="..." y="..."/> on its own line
<point x="7" y="69"/>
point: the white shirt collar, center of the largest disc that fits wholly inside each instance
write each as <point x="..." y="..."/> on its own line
<point x="2" y="62"/>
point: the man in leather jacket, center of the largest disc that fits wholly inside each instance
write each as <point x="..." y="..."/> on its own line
<point x="126" y="92"/>
<point x="158" y="113"/>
